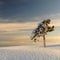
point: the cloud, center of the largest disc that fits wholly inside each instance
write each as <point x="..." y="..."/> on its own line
<point x="18" y="18"/>
<point x="14" y="40"/>
<point x="56" y="23"/>
<point x="2" y="20"/>
<point x="26" y="26"/>
<point x="17" y="27"/>
<point x="11" y="38"/>
<point x="17" y="21"/>
<point x="17" y="40"/>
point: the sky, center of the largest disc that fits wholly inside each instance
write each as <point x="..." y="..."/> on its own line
<point x="28" y="10"/>
<point x="18" y="18"/>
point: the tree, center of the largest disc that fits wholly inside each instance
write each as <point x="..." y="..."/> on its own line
<point x="42" y="30"/>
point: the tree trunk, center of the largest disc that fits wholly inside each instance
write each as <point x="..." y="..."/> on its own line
<point x="44" y="41"/>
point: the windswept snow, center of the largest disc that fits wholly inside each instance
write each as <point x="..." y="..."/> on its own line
<point x="29" y="53"/>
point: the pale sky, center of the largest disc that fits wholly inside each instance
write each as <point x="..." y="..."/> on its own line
<point x="18" y="18"/>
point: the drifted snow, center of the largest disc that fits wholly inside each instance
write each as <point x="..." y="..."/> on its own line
<point x="29" y="53"/>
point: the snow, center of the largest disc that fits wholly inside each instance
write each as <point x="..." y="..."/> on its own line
<point x="30" y="52"/>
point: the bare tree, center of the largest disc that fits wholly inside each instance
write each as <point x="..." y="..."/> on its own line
<point x="42" y="30"/>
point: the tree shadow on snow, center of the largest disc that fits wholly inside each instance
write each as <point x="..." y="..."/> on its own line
<point x="56" y="45"/>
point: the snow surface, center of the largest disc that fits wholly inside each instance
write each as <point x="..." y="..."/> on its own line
<point x="30" y="52"/>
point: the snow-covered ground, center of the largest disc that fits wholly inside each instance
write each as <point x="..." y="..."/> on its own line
<point x="30" y="52"/>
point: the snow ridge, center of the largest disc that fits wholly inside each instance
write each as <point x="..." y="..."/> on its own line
<point x="29" y="53"/>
